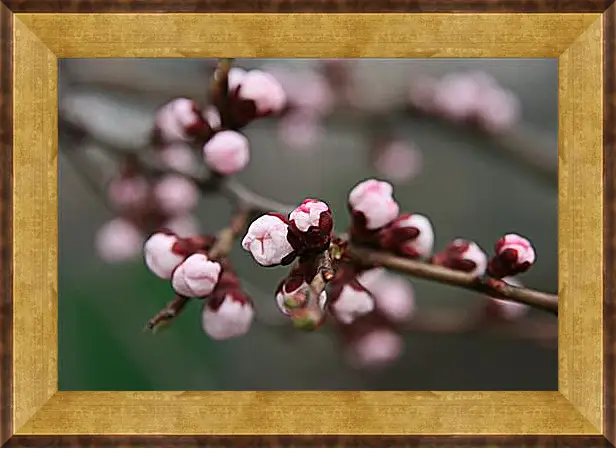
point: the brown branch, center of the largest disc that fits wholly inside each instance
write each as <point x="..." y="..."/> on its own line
<point x="488" y="286"/>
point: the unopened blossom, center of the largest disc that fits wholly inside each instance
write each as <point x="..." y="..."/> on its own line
<point x="514" y="254"/>
<point x="235" y="77"/>
<point x="508" y="310"/>
<point x="229" y="318"/>
<point x="457" y="96"/>
<point x="394" y="296"/>
<point x="176" y="195"/>
<point x="160" y="255"/>
<point x="263" y="89"/>
<point x="118" y="240"/>
<point x="398" y="161"/>
<point x="212" y="116"/>
<point x="376" y="349"/>
<point x="351" y="302"/>
<point x="128" y="192"/>
<point x="498" y="110"/>
<point x="300" y="131"/>
<point x="228" y="152"/>
<point x="310" y="226"/>
<point x="266" y="239"/>
<point x="463" y="255"/>
<point x="178" y="156"/>
<point x="183" y="225"/>
<point x="296" y="295"/>
<point x="374" y="200"/>
<point x="179" y="119"/>
<point x="410" y="235"/>
<point x="196" y="277"/>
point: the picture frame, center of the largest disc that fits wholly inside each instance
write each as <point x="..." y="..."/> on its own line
<point x="35" y="33"/>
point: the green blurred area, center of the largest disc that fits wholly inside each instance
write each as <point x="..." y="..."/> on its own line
<point x="467" y="189"/>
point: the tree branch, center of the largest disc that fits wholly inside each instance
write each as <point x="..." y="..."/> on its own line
<point x="487" y="286"/>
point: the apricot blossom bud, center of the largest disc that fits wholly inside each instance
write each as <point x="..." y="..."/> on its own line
<point x="129" y="192"/>
<point x="376" y="349"/>
<point x="264" y="90"/>
<point x="463" y="255"/>
<point x="514" y="254"/>
<point x="228" y="152"/>
<point x="196" y="277"/>
<point x="410" y="235"/>
<point x="176" y="195"/>
<point x="160" y="256"/>
<point x="373" y="201"/>
<point x="118" y="240"/>
<point x="394" y="296"/>
<point x="229" y="318"/>
<point x="266" y="239"/>
<point x="177" y="156"/>
<point x="179" y="120"/>
<point x="293" y="295"/>
<point x="350" y="301"/>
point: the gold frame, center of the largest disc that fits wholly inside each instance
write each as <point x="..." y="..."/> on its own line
<point x="575" y="39"/>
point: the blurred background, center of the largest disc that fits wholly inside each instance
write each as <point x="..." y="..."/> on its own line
<point x="401" y="120"/>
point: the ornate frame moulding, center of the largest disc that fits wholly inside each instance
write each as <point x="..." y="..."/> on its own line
<point x="35" y="33"/>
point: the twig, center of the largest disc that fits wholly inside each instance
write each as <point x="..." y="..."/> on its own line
<point x="168" y="313"/>
<point x="490" y="287"/>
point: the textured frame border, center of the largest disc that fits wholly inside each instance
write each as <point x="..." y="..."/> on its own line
<point x="584" y="40"/>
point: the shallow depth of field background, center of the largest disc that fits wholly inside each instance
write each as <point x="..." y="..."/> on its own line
<point x="467" y="188"/>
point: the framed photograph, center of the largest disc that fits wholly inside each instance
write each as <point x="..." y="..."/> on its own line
<point x="264" y="223"/>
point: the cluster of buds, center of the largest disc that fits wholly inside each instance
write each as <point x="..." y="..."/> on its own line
<point x="377" y="222"/>
<point x="513" y="255"/>
<point x="228" y="311"/>
<point x="239" y="98"/>
<point x="144" y="203"/>
<point x="467" y="97"/>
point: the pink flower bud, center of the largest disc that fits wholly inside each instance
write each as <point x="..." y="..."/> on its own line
<point x="398" y="161"/>
<point x="235" y="77"/>
<point x="178" y="156"/>
<point x="394" y="296"/>
<point x="128" y="193"/>
<point x="514" y="255"/>
<point x="118" y="240"/>
<point x="176" y="195"/>
<point x="228" y="152"/>
<point x="376" y="349"/>
<point x="300" y="131"/>
<point x="196" y="277"/>
<point x="410" y="235"/>
<point x="351" y="302"/>
<point x="293" y="296"/>
<point x="264" y="90"/>
<point x="159" y="253"/>
<point x="498" y="110"/>
<point x="308" y="214"/>
<point x="183" y="226"/>
<point x="266" y="239"/>
<point x="230" y="319"/>
<point x="508" y="310"/>
<point x="178" y="120"/>
<point x="464" y="256"/>
<point x="374" y="200"/>
<point x="457" y="96"/>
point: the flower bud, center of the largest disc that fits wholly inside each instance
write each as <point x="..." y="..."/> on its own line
<point x="463" y="255"/>
<point x="264" y="90"/>
<point x="177" y="156"/>
<point x="300" y="131"/>
<point x="266" y="239"/>
<point x="372" y="202"/>
<point x="295" y="294"/>
<point x="118" y="240"/>
<point x="228" y="318"/>
<point x="228" y="152"/>
<point x="160" y="256"/>
<point x="311" y="225"/>
<point x="212" y="117"/>
<point x="514" y="255"/>
<point x="376" y="349"/>
<point x="393" y="295"/>
<point x="350" y="301"/>
<point x="196" y="277"/>
<point x="410" y="235"/>
<point x="129" y="192"/>
<point x="176" y="195"/>
<point x="508" y="310"/>
<point x="398" y="161"/>
<point x="183" y="226"/>
<point x="180" y="119"/>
